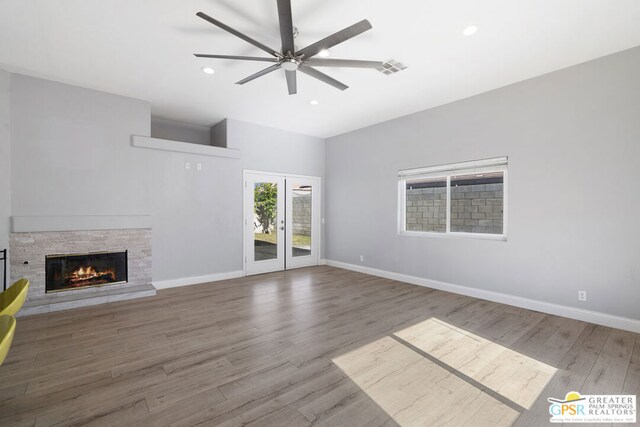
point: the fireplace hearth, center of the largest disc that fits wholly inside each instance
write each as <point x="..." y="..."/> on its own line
<point x="76" y="271"/>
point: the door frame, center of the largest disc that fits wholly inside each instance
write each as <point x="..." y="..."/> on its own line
<point x="248" y="228"/>
<point x="317" y="222"/>
<point x="292" y="262"/>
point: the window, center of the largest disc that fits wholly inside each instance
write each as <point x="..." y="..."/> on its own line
<point x="462" y="199"/>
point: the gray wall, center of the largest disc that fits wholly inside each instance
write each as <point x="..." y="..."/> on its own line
<point x="196" y="215"/>
<point x="572" y="138"/>
<point x="179" y="131"/>
<point x="71" y="152"/>
<point x="274" y="150"/>
<point x="72" y="155"/>
<point x="5" y="160"/>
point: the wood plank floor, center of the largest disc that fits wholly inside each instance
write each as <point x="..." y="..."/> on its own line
<point x="315" y="346"/>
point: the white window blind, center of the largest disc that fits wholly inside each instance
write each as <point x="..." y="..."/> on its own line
<point x="476" y="166"/>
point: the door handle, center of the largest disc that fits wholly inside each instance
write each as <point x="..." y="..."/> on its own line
<point x="282" y="228"/>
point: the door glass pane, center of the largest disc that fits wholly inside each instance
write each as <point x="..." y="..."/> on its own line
<point x="427" y="205"/>
<point x="477" y="203"/>
<point x="265" y="214"/>
<point x="301" y="219"/>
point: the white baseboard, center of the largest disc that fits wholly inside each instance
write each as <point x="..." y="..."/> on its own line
<point x="596" y="317"/>
<point x="195" y="280"/>
<point x="322" y="262"/>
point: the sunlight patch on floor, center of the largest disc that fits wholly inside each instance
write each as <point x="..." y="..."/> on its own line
<point x="513" y="375"/>
<point x="416" y="390"/>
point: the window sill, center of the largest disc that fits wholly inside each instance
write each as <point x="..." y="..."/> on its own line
<point x="474" y="236"/>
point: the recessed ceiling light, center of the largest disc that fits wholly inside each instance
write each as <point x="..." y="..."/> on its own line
<point x="314" y="102"/>
<point x="208" y="70"/>
<point x="470" y="30"/>
<point x="324" y="53"/>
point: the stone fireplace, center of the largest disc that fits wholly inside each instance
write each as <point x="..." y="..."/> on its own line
<point x="80" y="261"/>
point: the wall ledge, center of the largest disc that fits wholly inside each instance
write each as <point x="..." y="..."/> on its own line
<point x="183" y="147"/>
<point x="596" y="317"/>
<point x="34" y="224"/>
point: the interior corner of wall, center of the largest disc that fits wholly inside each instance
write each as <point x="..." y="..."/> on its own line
<point x="220" y="134"/>
<point x="231" y="129"/>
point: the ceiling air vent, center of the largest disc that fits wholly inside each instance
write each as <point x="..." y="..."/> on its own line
<point x="391" y="67"/>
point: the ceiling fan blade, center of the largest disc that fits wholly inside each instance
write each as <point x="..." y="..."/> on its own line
<point x="286" y="25"/>
<point x="322" y="77"/>
<point x="334" y="39"/>
<point x="259" y="74"/>
<point x="245" y="58"/>
<point x="347" y="63"/>
<point x="237" y="33"/>
<point x="291" y="82"/>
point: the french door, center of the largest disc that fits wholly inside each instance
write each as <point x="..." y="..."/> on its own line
<point x="281" y="221"/>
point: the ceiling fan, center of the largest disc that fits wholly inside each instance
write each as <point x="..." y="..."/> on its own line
<point x="292" y="60"/>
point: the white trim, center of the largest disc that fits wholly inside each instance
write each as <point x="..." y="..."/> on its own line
<point x="183" y="147"/>
<point x="402" y="209"/>
<point x="245" y="202"/>
<point x="29" y="224"/>
<point x="447" y="214"/>
<point x="282" y="174"/>
<point x="196" y="280"/>
<point x="316" y="223"/>
<point x="596" y="317"/>
<point x="454" y="235"/>
<point x="505" y="202"/>
<point x="278" y="263"/>
<point x="322" y="262"/>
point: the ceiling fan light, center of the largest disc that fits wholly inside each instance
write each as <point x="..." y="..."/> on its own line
<point x="290" y="65"/>
<point x="470" y="30"/>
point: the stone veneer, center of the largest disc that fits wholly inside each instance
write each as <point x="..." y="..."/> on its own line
<point x="32" y="247"/>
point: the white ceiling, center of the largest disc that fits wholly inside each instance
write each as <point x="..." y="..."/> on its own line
<point x="143" y="49"/>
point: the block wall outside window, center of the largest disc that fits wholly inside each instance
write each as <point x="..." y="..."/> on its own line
<point x="466" y="199"/>
<point x="427" y="205"/>
<point x="477" y="204"/>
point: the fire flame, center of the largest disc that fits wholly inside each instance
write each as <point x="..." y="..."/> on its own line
<point x="89" y="271"/>
<point x="90" y="276"/>
<point x="86" y="273"/>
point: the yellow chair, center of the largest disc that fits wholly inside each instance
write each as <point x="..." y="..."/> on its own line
<point x="7" y="330"/>
<point x="12" y="299"/>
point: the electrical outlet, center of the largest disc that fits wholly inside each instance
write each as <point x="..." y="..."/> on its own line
<point x="199" y="166"/>
<point x="361" y="258"/>
<point x="187" y="165"/>
<point x="582" y="296"/>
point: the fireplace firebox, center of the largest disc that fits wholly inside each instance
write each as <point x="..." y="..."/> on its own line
<point x="76" y="271"/>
